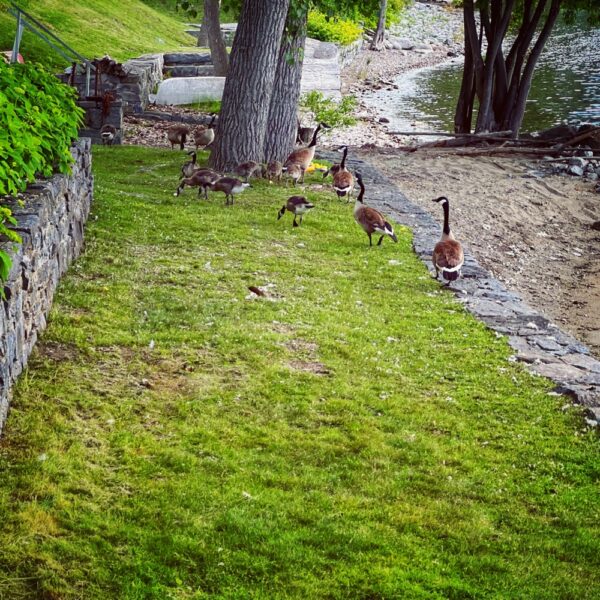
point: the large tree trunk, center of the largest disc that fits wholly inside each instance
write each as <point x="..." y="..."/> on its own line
<point x="248" y="89"/>
<point x="282" y="121"/>
<point x="378" y="36"/>
<point x="218" y="50"/>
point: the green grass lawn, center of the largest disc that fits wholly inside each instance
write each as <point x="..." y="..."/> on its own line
<point x="97" y="27"/>
<point x="356" y="434"/>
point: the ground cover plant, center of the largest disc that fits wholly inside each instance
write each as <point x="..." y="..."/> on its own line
<point x="352" y="434"/>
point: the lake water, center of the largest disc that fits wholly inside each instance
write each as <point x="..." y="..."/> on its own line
<point x="565" y="88"/>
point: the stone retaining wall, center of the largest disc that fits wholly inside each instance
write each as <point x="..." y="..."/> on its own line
<point x="51" y="223"/>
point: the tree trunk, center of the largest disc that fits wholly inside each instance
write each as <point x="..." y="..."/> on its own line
<point x="495" y="32"/>
<point x="472" y="72"/>
<point x="218" y="51"/>
<point x="248" y="89"/>
<point x="282" y="121"/>
<point x="203" y="35"/>
<point x="378" y="36"/>
<point x="517" y="111"/>
<point x="501" y="84"/>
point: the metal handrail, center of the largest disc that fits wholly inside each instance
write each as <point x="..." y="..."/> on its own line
<point x="24" y="19"/>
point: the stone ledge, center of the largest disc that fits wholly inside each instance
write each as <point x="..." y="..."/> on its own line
<point x="51" y="222"/>
<point x="539" y="343"/>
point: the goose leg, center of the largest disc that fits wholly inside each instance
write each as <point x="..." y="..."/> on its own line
<point x="294" y="222"/>
<point x="370" y="240"/>
<point x="380" y="240"/>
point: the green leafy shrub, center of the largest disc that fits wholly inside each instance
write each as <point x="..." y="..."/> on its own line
<point x="327" y="110"/>
<point x="38" y="122"/>
<point x="365" y="12"/>
<point x="340" y="31"/>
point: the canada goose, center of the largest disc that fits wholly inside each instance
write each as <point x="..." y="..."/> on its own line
<point x="304" y="156"/>
<point x="177" y="134"/>
<point x="448" y="256"/>
<point x="298" y="205"/>
<point x="303" y="134"/>
<point x="293" y="172"/>
<point x="274" y="170"/>
<point x="229" y="186"/>
<point x="343" y="182"/>
<point x="204" y="136"/>
<point x="333" y="169"/>
<point x="371" y="220"/>
<point x="188" y="168"/>
<point x="108" y="133"/>
<point x="247" y="169"/>
<point x="203" y="178"/>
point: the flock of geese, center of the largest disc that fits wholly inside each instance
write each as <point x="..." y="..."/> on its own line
<point x="448" y="256"/>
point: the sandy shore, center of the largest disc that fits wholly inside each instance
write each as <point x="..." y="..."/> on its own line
<point x="535" y="235"/>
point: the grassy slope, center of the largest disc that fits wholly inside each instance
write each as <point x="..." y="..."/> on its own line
<point x="423" y="465"/>
<point x="98" y="27"/>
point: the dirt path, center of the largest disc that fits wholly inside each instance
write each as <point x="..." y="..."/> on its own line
<point x="535" y="235"/>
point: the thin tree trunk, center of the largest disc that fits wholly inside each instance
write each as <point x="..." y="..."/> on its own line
<point x="282" y="121"/>
<point x="496" y="31"/>
<point x="203" y="35"/>
<point x="379" y="35"/>
<point x="218" y="51"/>
<point x="248" y="89"/>
<point x="516" y="58"/>
<point x="472" y="72"/>
<point x="462" y="120"/>
<point x="518" y="110"/>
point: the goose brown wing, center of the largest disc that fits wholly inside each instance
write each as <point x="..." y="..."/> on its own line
<point x="343" y="180"/>
<point x="374" y="218"/>
<point x="448" y="254"/>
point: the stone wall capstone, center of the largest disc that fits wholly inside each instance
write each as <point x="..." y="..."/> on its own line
<point x="51" y="223"/>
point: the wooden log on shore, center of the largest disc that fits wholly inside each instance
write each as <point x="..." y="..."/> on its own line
<point x="478" y="136"/>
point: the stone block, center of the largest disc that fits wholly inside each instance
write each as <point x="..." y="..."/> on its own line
<point x="187" y="90"/>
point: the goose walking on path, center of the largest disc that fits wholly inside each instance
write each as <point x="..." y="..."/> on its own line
<point x="343" y="182"/>
<point x="448" y="256"/>
<point x="371" y="220"/>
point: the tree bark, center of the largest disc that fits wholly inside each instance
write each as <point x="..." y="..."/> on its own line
<point x="282" y="121"/>
<point x="203" y="35"/>
<point x="501" y="84"/>
<point x="518" y="110"/>
<point x="248" y="88"/>
<point x="378" y="36"/>
<point x="218" y="51"/>
<point x="496" y="31"/>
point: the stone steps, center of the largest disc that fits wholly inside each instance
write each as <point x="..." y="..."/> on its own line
<point x="187" y="64"/>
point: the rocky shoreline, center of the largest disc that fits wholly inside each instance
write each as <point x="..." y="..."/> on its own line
<point x="428" y="34"/>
